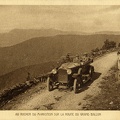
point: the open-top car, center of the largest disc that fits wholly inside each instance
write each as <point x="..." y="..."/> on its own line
<point x="72" y="75"/>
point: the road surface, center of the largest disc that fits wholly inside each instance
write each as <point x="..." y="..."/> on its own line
<point x="64" y="100"/>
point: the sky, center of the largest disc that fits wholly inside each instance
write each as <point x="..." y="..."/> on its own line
<point x="82" y="18"/>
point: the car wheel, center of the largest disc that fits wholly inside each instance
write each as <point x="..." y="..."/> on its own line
<point x="80" y="71"/>
<point x="49" y="84"/>
<point x="75" y="86"/>
<point x="91" y="72"/>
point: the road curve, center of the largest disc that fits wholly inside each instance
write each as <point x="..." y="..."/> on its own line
<point x="67" y="100"/>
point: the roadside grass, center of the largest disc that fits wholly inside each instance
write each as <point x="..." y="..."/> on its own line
<point x="109" y="97"/>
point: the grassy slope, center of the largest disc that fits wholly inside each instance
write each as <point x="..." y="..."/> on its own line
<point x="108" y="98"/>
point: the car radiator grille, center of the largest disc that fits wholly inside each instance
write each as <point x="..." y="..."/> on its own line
<point x="62" y="76"/>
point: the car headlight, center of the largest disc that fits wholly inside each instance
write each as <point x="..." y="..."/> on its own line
<point x="69" y="71"/>
<point x="81" y="63"/>
<point x="54" y="71"/>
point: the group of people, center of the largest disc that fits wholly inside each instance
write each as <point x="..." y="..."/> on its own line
<point x="84" y="59"/>
<point x="77" y="59"/>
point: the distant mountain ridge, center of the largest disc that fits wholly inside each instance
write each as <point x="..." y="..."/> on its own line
<point x="108" y="32"/>
<point x="17" y="36"/>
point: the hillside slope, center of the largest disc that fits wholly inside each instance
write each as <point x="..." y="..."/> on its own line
<point x="19" y="75"/>
<point x="45" y="49"/>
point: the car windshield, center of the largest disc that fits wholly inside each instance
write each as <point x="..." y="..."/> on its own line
<point x="69" y="65"/>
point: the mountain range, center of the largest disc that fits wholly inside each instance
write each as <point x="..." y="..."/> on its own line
<point x="17" y="36"/>
<point x="108" y="32"/>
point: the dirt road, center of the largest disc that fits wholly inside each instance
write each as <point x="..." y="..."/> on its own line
<point x="67" y="100"/>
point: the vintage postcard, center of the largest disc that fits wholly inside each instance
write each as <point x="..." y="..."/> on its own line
<point x="59" y="60"/>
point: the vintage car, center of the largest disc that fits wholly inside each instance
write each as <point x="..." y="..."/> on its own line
<point x="70" y="74"/>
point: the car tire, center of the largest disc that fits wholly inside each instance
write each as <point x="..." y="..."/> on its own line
<point x="80" y="71"/>
<point x="91" y="72"/>
<point x="49" y="84"/>
<point x="75" y="86"/>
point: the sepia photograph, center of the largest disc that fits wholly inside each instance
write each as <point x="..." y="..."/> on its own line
<point x="60" y="58"/>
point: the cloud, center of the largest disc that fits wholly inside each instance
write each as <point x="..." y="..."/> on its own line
<point x="77" y="18"/>
<point x="112" y="8"/>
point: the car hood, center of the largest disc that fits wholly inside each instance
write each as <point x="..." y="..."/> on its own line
<point x="69" y="65"/>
